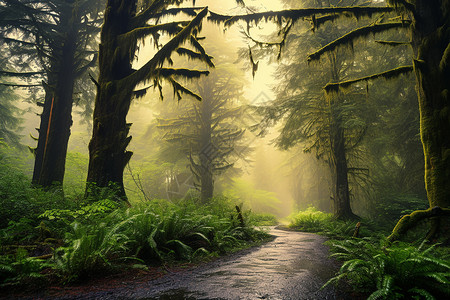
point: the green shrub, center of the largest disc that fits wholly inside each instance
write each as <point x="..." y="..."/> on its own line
<point x="310" y="220"/>
<point x="21" y="269"/>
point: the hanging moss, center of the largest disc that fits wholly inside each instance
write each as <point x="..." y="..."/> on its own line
<point x="348" y="38"/>
<point x="335" y="87"/>
<point x="296" y="14"/>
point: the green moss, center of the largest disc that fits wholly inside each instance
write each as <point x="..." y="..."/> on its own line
<point x="335" y="87"/>
<point x="349" y="38"/>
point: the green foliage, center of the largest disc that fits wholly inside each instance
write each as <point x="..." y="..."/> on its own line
<point x="255" y="199"/>
<point x="262" y="219"/>
<point x="313" y="220"/>
<point x="156" y="230"/>
<point x="163" y="230"/>
<point x="75" y="174"/>
<point x="89" y="249"/>
<point x="22" y="204"/>
<point x="401" y="271"/>
<point x="21" y="269"/>
<point x="310" y="220"/>
<point x="90" y="212"/>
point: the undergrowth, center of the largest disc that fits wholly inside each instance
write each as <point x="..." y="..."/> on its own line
<point x="399" y="271"/>
<point x="45" y="232"/>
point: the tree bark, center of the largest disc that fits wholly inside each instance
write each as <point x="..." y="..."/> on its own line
<point x="430" y="41"/>
<point x="107" y="148"/>
<point x="56" y="119"/>
<point x="342" y="208"/>
<point x="207" y="148"/>
<point x="431" y="37"/>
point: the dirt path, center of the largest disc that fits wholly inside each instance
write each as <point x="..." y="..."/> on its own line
<point x="292" y="266"/>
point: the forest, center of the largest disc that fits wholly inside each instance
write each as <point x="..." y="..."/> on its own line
<point x="147" y="144"/>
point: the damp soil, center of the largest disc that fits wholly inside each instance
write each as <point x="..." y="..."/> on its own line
<point x="294" y="265"/>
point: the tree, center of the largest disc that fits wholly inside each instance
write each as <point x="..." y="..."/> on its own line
<point x="208" y="132"/>
<point x="9" y="114"/>
<point x="427" y="21"/>
<point x="331" y="127"/>
<point x="124" y="24"/>
<point x="56" y="39"/>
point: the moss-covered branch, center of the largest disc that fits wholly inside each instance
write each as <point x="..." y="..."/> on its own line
<point x="393" y="43"/>
<point x="334" y="87"/>
<point x="147" y="71"/>
<point x="20" y="74"/>
<point x="186" y="73"/>
<point x="149" y="13"/>
<point x="296" y="14"/>
<point x="348" y="38"/>
<point x="142" y="32"/>
<point x="409" y="221"/>
<point x="191" y="54"/>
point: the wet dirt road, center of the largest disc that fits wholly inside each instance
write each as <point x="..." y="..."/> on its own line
<point x="293" y="266"/>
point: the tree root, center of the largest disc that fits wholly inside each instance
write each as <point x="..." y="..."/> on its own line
<point x="409" y="221"/>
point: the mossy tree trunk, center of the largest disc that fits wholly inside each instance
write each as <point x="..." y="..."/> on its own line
<point x="107" y="148"/>
<point x="431" y="45"/>
<point x="339" y="163"/>
<point x="56" y="118"/>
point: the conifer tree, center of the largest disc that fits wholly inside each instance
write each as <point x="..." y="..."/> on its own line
<point x="428" y="24"/>
<point x="55" y="39"/>
<point x="207" y="132"/>
<point x="125" y="23"/>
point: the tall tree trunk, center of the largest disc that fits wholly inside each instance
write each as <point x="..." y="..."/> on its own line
<point x="107" y="148"/>
<point x="431" y="46"/>
<point x="56" y="119"/>
<point x="207" y="149"/>
<point x="342" y="208"/>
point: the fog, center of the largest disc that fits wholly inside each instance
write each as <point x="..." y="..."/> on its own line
<point x="267" y="179"/>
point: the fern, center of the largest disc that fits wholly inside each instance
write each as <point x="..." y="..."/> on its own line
<point x="399" y="272"/>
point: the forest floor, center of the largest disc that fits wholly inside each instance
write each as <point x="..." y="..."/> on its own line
<point x="294" y="265"/>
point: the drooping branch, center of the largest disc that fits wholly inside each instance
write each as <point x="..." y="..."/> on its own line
<point x="334" y="87"/>
<point x="348" y="38"/>
<point x="146" y="72"/>
<point x="142" y="32"/>
<point x="296" y="14"/>
<point x="191" y="54"/>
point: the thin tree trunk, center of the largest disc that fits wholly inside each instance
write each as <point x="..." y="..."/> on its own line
<point x="342" y="208"/>
<point x="207" y="152"/>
